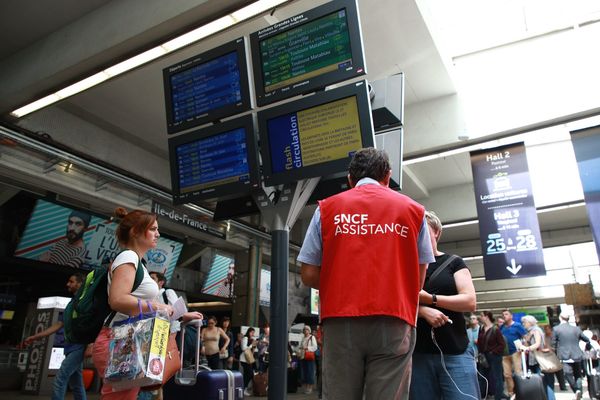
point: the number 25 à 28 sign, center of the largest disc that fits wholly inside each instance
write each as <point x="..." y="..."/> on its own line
<point x="508" y="225"/>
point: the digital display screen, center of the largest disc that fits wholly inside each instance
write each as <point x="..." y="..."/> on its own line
<point x="315" y="135"/>
<point x="213" y="161"/>
<point x="205" y="87"/>
<point x="307" y="52"/>
<point x="312" y="49"/>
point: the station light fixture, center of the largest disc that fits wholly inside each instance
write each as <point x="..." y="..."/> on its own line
<point x="186" y="39"/>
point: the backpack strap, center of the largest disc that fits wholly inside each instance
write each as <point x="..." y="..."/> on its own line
<point x="441" y="268"/>
<point x="164" y="296"/>
<point x="137" y="281"/>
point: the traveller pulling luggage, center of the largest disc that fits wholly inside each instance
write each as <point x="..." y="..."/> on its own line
<point x="528" y="386"/>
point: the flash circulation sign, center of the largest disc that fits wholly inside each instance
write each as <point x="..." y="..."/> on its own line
<point x="508" y="225"/>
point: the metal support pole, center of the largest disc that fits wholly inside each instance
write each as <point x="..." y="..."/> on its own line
<point x="253" y="285"/>
<point x="279" y="314"/>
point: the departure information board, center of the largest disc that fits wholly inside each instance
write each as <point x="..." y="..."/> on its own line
<point x="205" y="87"/>
<point x="213" y="161"/>
<point x="315" y="135"/>
<point x="312" y="49"/>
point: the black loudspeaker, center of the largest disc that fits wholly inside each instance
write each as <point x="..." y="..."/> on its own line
<point x="235" y="208"/>
<point x="329" y="186"/>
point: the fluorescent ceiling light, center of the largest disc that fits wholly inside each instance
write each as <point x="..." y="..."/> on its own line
<point x="563" y="207"/>
<point x="136" y="61"/>
<point x="539" y="211"/>
<point x="199" y="33"/>
<point x="444" y="154"/>
<point x="36" y="105"/>
<point x="152" y="54"/>
<point x="82" y="85"/>
<point x="463" y="223"/>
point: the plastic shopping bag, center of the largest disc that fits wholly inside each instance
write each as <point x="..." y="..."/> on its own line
<point x="137" y="351"/>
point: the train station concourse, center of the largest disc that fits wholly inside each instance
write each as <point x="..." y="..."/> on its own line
<point x="230" y="121"/>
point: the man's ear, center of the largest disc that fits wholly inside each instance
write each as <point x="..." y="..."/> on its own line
<point x="386" y="178"/>
<point x="350" y="181"/>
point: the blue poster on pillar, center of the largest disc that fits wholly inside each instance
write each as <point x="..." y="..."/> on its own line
<point x="586" y="143"/>
<point x="508" y="225"/>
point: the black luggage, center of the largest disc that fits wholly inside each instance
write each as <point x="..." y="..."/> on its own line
<point x="292" y="380"/>
<point x="202" y="383"/>
<point x="528" y="386"/>
<point x="593" y="379"/>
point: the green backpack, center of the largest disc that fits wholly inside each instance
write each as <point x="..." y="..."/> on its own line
<point x="85" y="314"/>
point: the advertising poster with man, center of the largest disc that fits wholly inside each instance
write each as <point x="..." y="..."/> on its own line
<point x="77" y="239"/>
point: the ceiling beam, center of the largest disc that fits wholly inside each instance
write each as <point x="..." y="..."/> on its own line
<point x="417" y="182"/>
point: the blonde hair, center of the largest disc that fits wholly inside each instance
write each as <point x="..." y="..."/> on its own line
<point x="529" y="318"/>
<point x="434" y="221"/>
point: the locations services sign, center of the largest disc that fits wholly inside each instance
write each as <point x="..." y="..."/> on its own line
<point x="508" y="225"/>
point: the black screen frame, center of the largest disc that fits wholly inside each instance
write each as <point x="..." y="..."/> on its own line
<point x="316" y="82"/>
<point x="239" y="47"/>
<point x="358" y="89"/>
<point x="227" y="190"/>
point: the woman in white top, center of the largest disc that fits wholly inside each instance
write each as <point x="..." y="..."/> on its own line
<point x="248" y="342"/>
<point x="307" y="371"/>
<point x="137" y="232"/>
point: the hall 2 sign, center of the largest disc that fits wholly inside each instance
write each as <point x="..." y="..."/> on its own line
<point x="508" y="225"/>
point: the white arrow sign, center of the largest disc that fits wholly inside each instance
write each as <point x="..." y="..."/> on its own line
<point x="514" y="268"/>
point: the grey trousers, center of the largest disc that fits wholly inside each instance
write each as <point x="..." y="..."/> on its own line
<point x="367" y="356"/>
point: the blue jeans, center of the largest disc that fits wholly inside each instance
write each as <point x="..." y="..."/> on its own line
<point x="496" y="374"/>
<point x="430" y="381"/>
<point x="548" y="380"/>
<point x="70" y="374"/>
<point x="307" y="372"/>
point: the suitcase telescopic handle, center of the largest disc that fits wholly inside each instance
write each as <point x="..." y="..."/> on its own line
<point x="589" y="365"/>
<point x="523" y="363"/>
<point x="198" y="324"/>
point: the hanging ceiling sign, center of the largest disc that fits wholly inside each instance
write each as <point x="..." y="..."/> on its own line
<point x="586" y="143"/>
<point x="508" y="225"/>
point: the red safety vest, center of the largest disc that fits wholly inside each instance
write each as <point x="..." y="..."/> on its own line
<point x="370" y="263"/>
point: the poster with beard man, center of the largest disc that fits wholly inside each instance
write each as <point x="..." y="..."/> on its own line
<point x="62" y="235"/>
<point x="56" y="234"/>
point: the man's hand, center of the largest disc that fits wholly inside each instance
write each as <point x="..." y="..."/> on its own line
<point x="29" y="340"/>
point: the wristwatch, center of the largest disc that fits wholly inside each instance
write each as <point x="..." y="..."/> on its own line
<point x="433" y="300"/>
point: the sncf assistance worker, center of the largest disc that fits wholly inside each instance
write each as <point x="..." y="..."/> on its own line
<point x="367" y="250"/>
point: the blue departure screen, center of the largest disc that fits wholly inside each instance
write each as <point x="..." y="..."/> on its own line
<point x="213" y="161"/>
<point x="205" y="87"/>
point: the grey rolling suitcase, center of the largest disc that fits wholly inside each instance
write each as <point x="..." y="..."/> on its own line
<point x="593" y="379"/>
<point x="202" y="383"/>
<point x="528" y="386"/>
